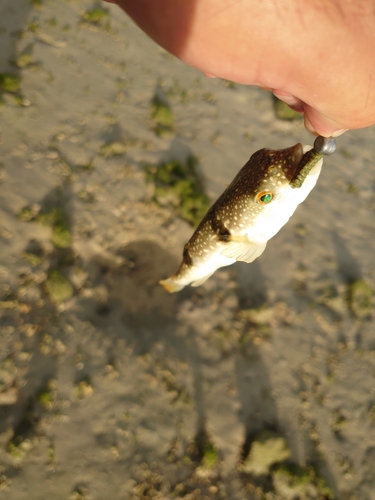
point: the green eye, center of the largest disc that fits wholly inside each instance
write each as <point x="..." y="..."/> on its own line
<point x="264" y="197"/>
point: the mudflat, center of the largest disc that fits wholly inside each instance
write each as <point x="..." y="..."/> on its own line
<point x="260" y="384"/>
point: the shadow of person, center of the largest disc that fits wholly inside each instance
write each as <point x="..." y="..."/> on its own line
<point x="39" y="310"/>
<point x="348" y="268"/>
<point x="132" y="287"/>
<point x="13" y="15"/>
<point x="232" y="394"/>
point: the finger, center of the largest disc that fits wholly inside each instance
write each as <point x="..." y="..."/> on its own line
<point x="318" y="124"/>
<point x="315" y="122"/>
<point x="290" y="100"/>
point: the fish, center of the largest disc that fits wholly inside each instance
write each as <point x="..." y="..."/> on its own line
<point x="253" y="208"/>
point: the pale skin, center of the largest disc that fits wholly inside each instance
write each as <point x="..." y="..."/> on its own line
<point x="316" y="55"/>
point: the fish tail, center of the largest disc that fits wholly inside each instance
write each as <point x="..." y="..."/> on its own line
<point x="171" y="286"/>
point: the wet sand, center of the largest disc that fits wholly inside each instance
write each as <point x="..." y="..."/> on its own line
<point x="260" y="384"/>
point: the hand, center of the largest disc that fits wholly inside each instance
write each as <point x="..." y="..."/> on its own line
<point x="316" y="55"/>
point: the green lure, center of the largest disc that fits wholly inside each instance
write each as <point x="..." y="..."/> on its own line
<point x="322" y="146"/>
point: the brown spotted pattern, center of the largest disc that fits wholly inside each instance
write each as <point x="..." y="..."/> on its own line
<point x="235" y="209"/>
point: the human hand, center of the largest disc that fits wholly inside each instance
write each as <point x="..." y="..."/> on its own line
<point x="316" y="55"/>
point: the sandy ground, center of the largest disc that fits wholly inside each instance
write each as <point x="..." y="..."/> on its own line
<point x="260" y="384"/>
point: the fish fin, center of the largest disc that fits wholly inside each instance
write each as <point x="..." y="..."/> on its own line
<point x="233" y="237"/>
<point x="171" y="286"/>
<point x="202" y="280"/>
<point x="240" y="248"/>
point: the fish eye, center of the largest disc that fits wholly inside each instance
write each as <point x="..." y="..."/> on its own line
<point x="264" y="197"/>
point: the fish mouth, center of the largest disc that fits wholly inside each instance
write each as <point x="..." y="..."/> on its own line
<point x="292" y="159"/>
<point x="308" y="161"/>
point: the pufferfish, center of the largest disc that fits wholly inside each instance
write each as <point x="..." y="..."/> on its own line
<point x="253" y="208"/>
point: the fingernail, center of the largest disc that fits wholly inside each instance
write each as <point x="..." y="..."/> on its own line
<point x="339" y="132"/>
<point x="312" y="130"/>
<point x="209" y="75"/>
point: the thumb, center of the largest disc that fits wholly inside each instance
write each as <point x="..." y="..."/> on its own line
<point x="319" y="124"/>
<point x="315" y="122"/>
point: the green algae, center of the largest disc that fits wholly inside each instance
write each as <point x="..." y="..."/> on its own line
<point x="178" y="186"/>
<point x="58" y="287"/>
<point x="162" y="117"/>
